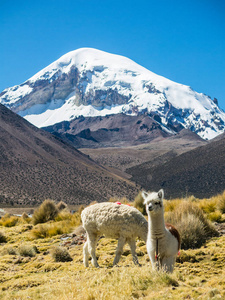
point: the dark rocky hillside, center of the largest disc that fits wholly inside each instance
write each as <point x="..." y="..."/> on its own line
<point x="110" y="131"/>
<point x="199" y="172"/>
<point x="35" y="165"/>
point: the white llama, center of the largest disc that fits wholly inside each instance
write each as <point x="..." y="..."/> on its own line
<point x="121" y="222"/>
<point x="163" y="241"/>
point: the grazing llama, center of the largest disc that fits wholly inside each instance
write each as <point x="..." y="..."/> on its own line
<point x="113" y="220"/>
<point x="163" y="240"/>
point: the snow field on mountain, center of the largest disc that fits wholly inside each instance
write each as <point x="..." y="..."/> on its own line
<point x="104" y="72"/>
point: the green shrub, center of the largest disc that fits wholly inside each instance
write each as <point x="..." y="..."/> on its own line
<point x="2" y="238"/>
<point x="60" y="254"/>
<point x="45" y="212"/>
<point x="27" y="250"/>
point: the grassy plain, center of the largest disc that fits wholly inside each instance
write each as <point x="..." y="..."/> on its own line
<point x="28" y="269"/>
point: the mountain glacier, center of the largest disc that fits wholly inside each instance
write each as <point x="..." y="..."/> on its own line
<point x="91" y="82"/>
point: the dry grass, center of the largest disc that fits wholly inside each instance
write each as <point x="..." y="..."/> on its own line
<point x="40" y="277"/>
<point x="61" y="205"/>
<point x="64" y="223"/>
<point x="199" y="273"/>
<point x="191" y="222"/>
<point x="214" y="207"/>
<point x="2" y="237"/>
<point x="60" y="254"/>
<point x="139" y="204"/>
<point x="8" y="220"/>
<point x="45" y="212"/>
<point x="122" y="200"/>
<point x="27" y="250"/>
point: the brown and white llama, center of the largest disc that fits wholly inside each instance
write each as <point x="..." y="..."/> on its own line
<point x="163" y="240"/>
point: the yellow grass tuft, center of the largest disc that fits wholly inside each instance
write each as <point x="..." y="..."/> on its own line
<point x="139" y="203"/>
<point x="47" y="211"/>
<point x="9" y="221"/>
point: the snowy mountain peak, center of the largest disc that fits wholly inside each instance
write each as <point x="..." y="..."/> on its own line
<point x="91" y="82"/>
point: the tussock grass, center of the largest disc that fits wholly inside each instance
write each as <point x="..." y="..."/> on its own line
<point x="2" y="237"/>
<point x="27" y="250"/>
<point x="65" y="222"/>
<point x="208" y="205"/>
<point x="171" y="205"/>
<point x="221" y="202"/>
<point x="12" y="251"/>
<point x="215" y="216"/>
<point x="212" y="205"/>
<point x="60" y="254"/>
<point x="192" y="224"/>
<point x="47" y="211"/>
<point x="9" y="221"/>
<point x="50" y="229"/>
<point x="61" y="205"/>
<point x="139" y="204"/>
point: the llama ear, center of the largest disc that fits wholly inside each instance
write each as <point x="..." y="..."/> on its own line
<point x="144" y="195"/>
<point x="161" y="194"/>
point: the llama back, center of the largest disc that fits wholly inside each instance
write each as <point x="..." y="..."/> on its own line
<point x="114" y="220"/>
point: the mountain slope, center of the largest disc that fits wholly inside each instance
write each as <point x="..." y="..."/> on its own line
<point x="118" y="130"/>
<point x="92" y="83"/>
<point x="199" y="172"/>
<point x="156" y="152"/>
<point x="36" y="165"/>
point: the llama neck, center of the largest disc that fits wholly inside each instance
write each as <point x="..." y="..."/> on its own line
<point x="156" y="224"/>
<point x="144" y="231"/>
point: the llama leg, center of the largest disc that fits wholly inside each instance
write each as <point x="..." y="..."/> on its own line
<point x="85" y="254"/>
<point x="151" y="254"/>
<point x="92" y="241"/>
<point x="132" y="244"/>
<point x="168" y="264"/>
<point x="119" y="250"/>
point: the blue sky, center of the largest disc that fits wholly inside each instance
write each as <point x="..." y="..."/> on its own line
<point x="181" y="40"/>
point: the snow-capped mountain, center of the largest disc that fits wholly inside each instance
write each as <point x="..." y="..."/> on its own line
<point x="90" y="82"/>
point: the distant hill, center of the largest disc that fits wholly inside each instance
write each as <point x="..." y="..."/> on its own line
<point x="36" y="165"/>
<point x="118" y="130"/>
<point x="156" y="152"/>
<point x="199" y="172"/>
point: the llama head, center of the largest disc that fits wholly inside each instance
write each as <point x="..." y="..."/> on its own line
<point x="153" y="201"/>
